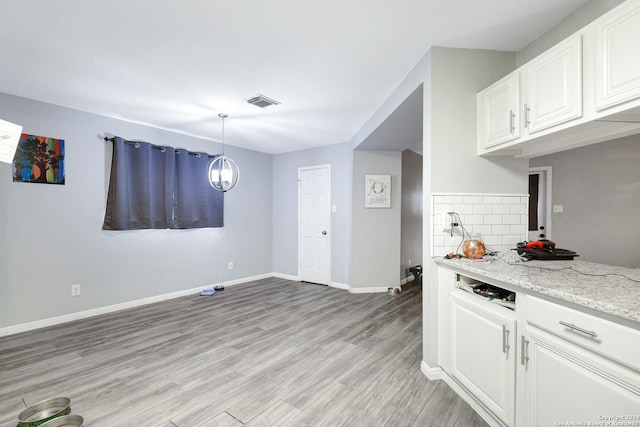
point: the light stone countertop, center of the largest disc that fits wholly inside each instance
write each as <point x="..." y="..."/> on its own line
<point x="600" y="287"/>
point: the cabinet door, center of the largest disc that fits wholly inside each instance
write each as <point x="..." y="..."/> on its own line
<point x="617" y="60"/>
<point x="483" y="353"/>
<point x="498" y="107"/>
<point x="566" y="383"/>
<point x="553" y="84"/>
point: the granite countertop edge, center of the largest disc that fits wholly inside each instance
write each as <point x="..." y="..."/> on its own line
<point x="604" y="288"/>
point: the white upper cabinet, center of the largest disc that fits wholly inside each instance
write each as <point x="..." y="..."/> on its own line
<point x="582" y="91"/>
<point x="498" y="107"/>
<point x="617" y="56"/>
<point x="553" y="85"/>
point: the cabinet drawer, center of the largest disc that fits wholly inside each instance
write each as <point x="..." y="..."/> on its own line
<point x="610" y="339"/>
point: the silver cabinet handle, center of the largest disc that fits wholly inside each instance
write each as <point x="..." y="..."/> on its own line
<point x="579" y="329"/>
<point x="524" y="351"/>
<point x="505" y="339"/>
<point x="527" y="122"/>
<point x="512" y="125"/>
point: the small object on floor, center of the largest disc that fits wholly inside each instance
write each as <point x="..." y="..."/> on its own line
<point x="219" y="287"/>
<point x="207" y="292"/>
<point x="393" y="291"/>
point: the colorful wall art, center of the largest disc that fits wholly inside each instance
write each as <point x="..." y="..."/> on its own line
<point x="39" y="159"/>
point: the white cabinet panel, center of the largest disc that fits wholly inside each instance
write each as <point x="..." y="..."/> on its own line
<point x="498" y="106"/>
<point x="564" y="383"/>
<point x="553" y="85"/>
<point x="483" y="353"/>
<point x="617" y="60"/>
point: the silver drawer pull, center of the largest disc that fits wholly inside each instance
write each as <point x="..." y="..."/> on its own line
<point x="505" y="339"/>
<point x="524" y="351"/>
<point x="579" y="329"/>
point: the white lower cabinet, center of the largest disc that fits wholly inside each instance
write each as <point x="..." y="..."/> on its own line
<point x="543" y="364"/>
<point x="565" y="384"/>
<point x="483" y="353"/>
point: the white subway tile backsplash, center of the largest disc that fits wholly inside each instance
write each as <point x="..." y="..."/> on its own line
<point x="473" y="219"/>
<point x="511" y="200"/>
<point x="493" y="219"/>
<point x="454" y="198"/>
<point x="438" y="199"/>
<point x="500" y="209"/>
<point x="518" y="229"/>
<point x="474" y="200"/>
<point x="463" y="208"/>
<point x="439" y="208"/>
<point x="511" y="219"/>
<point x="518" y="209"/>
<point x="482" y="208"/>
<point x="500" y="229"/>
<point x="492" y="199"/>
<point x="492" y="240"/>
<point x="483" y="229"/>
<point x="502" y="220"/>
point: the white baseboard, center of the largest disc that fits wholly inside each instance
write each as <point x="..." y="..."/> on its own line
<point x="431" y="373"/>
<point x="406" y="280"/>
<point x="369" y="290"/>
<point x="338" y="285"/>
<point x="286" y="276"/>
<point x="52" y="321"/>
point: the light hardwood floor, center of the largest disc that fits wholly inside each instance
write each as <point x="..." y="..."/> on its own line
<point x="266" y="353"/>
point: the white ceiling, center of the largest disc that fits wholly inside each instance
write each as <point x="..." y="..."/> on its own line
<point x="175" y="64"/>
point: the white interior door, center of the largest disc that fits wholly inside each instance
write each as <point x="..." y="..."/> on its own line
<point x="314" y="220"/>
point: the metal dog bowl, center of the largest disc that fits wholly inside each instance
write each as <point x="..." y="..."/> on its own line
<point x="393" y="291"/>
<point x="65" y="421"/>
<point x="44" y="411"/>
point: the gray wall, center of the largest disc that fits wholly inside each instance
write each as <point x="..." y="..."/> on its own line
<point x="457" y="76"/>
<point x="599" y="187"/>
<point x="574" y="22"/>
<point x="376" y="232"/>
<point x="285" y="208"/>
<point x="51" y="235"/>
<point x="411" y="215"/>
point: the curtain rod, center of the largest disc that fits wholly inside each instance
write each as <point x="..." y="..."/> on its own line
<point x="159" y="147"/>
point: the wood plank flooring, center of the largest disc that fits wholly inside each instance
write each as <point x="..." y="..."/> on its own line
<point x="266" y="353"/>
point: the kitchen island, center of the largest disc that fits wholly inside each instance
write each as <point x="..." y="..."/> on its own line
<point x="565" y="348"/>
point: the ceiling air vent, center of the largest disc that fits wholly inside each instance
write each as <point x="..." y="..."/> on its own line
<point x="262" y="101"/>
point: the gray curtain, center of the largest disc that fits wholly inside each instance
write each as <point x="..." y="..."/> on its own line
<point x="197" y="205"/>
<point x="160" y="187"/>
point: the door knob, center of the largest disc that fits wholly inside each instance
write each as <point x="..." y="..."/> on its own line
<point x="324" y="232"/>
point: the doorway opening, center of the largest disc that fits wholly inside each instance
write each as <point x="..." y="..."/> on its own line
<point x="539" y="203"/>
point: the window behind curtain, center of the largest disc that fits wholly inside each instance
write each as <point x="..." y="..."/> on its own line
<point x="154" y="187"/>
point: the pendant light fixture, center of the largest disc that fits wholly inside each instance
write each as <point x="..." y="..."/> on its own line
<point x="223" y="172"/>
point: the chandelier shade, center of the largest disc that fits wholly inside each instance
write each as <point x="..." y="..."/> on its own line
<point x="222" y="171"/>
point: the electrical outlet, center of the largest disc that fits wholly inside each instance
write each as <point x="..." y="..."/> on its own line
<point x="447" y="221"/>
<point x="75" y="290"/>
<point x="558" y="208"/>
<point x="230" y="265"/>
<point x="409" y="261"/>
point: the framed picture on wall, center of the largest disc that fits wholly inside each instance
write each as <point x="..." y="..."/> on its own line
<point x="377" y="191"/>
<point x="39" y="159"/>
